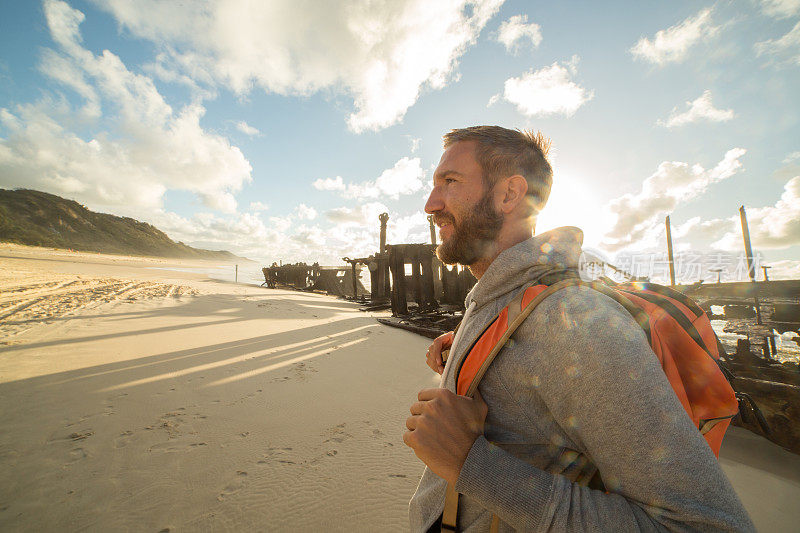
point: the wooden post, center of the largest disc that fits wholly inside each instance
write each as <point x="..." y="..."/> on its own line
<point x="355" y="281"/>
<point x="669" y="253"/>
<point x="416" y="280"/>
<point x="433" y="229"/>
<point x="428" y="294"/>
<point x="384" y="218"/>
<point x="397" y="266"/>
<point x="381" y="257"/>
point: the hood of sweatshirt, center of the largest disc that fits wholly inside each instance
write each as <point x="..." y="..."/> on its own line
<point x="526" y="262"/>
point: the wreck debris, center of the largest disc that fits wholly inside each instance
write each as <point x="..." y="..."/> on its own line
<point x="336" y="281"/>
<point x="432" y="225"/>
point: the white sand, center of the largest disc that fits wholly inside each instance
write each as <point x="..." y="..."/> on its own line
<point x="145" y="399"/>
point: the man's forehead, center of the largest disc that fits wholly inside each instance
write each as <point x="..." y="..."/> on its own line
<point x="458" y="158"/>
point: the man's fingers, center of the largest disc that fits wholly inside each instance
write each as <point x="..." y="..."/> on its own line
<point x="429" y="394"/>
<point x="433" y="357"/>
<point x="416" y="408"/>
<point x="411" y="422"/>
<point x="408" y="438"/>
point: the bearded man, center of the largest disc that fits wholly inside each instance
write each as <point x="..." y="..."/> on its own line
<point x="578" y="392"/>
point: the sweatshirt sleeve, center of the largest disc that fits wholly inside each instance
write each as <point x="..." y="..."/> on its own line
<point x="591" y="365"/>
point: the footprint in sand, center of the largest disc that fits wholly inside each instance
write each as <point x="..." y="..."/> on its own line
<point x="76" y="454"/>
<point x="233" y="487"/>
<point x="171" y="447"/>
<point x="122" y="439"/>
<point x="337" y="434"/>
<point x="276" y="455"/>
<point x="81" y="435"/>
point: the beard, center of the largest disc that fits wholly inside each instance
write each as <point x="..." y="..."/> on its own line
<point x="473" y="237"/>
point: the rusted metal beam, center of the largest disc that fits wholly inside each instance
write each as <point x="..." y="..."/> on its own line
<point x="433" y="229"/>
<point x="669" y="253"/>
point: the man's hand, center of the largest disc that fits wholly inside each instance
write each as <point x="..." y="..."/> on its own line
<point x="434" y="355"/>
<point x="442" y="428"/>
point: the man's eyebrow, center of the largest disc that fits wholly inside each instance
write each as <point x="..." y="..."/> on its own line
<point x="446" y="173"/>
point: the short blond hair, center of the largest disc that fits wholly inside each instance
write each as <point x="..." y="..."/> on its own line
<point x="502" y="152"/>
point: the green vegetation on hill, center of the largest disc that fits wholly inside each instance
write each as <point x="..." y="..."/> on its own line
<point x="37" y="218"/>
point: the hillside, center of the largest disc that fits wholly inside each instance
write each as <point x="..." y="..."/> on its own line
<point x="40" y="219"/>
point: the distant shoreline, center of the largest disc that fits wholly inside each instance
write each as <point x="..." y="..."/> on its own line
<point x="233" y="259"/>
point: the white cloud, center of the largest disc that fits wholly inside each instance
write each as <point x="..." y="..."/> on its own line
<point x="383" y="54"/>
<point x="405" y="177"/>
<point x="784" y="269"/>
<point x="780" y="8"/>
<point x="638" y="217"/>
<point x="786" y="49"/>
<point x="699" y="109"/>
<point x="673" y="44"/>
<point x="329" y="184"/>
<point x="247" y="129"/>
<point x="352" y="232"/>
<point x="258" y="206"/>
<point x="305" y="212"/>
<point x="413" y="228"/>
<point x="771" y="227"/>
<point x="415" y="144"/>
<point x="243" y="234"/>
<point x="516" y="30"/>
<point x="791" y="158"/>
<point x="547" y="91"/>
<point x="281" y="224"/>
<point x="138" y="151"/>
<point x="363" y="215"/>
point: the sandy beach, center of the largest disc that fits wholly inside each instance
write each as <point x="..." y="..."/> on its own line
<point x="139" y="394"/>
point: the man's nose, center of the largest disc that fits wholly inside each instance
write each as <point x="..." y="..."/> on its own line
<point x="434" y="202"/>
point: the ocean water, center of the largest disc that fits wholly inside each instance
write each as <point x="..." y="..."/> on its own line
<point x="246" y="273"/>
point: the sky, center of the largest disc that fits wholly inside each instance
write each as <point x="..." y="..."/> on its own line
<point x="281" y="130"/>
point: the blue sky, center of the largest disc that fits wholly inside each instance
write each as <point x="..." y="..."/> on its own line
<point x="281" y="130"/>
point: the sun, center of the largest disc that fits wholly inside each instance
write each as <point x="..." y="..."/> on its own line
<point x="574" y="202"/>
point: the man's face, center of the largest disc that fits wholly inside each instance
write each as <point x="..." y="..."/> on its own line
<point x="462" y="208"/>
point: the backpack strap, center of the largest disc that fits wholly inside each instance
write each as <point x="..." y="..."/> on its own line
<point x="516" y="312"/>
<point x="471" y="372"/>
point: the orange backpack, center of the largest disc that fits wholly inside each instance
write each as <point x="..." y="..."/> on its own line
<point x="678" y="331"/>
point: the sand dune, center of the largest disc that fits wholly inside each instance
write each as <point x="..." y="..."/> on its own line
<point x="138" y="398"/>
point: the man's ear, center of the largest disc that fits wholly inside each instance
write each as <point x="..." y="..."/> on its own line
<point x="516" y="187"/>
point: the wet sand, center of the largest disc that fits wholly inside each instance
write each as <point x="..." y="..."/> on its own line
<point x="141" y="398"/>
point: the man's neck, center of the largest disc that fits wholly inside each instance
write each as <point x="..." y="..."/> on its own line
<point x="504" y="241"/>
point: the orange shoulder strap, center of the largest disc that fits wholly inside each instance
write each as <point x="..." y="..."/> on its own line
<point x="481" y="355"/>
<point x="494" y="338"/>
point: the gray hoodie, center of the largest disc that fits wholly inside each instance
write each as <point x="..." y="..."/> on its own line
<point x="577" y="389"/>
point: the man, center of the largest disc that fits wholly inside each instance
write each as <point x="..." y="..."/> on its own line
<point x="578" y="391"/>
